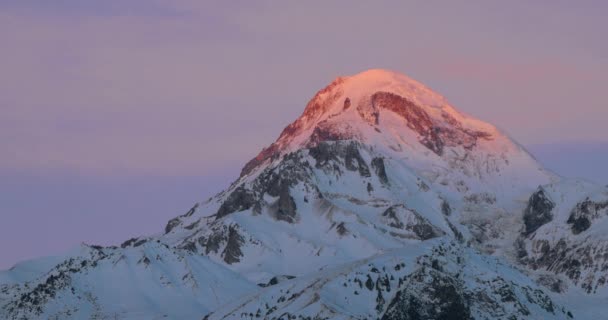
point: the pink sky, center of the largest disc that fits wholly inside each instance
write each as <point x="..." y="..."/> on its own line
<point x="181" y="87"/>
<point x="171" y="89"/>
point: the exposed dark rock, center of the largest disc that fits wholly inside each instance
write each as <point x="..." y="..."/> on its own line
<point x="133" y="242"/>
<point x="276" y="280"/>
<point x="573" y="261"/>
<point x="191" y="211"/>
<point x="459" y="236"/>
<point x="422" y="185"/>
<point x="378" y="165"/>
<point x="445" y="208"/>
<point x="240" y="199"/>
<point x="145" y="260"/>
<point x="481" y="198"/>
<point x="367" y="112"/>
<point x="33" y="299"/>
<point x="328" y="131"/>
<point x="539" y="298"/>
<point x="232" y="252"/>
<point x="422" y="287"/>
<point x="579" y="224"/>
<point x="407" y="219"/>
<point x="538" y="212"/>
<point x="172" y="224"/>
<point x="520" y="248"/>
<point x="286" y="207"/>
<point x="213" y="242"/>
<point x="391" y="212"/>
<point x="425" y="231"/>
<point x="433" y="142"/>
<point x="553" y="283"/>
<point x="190" y="246"/>
<point x="277" y="181"/>
<point x="324" y="153"/>
<point x="128" y="243"/>
<point x="346" y="104"/>
<point x="417" y="119"/>
<point x="433" y="136"/>
<point x="354" y="161"/>
<point x="139" y="242"/>
<point x="341" y="229"/>
<point x="192" y="225"/>
<point x="369" y="283"/>
<point x="584" y="213"/>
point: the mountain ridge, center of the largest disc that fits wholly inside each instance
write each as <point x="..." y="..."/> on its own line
<point x="376" y="163"/>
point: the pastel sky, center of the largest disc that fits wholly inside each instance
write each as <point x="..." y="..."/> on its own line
<point x="117" y="115"/>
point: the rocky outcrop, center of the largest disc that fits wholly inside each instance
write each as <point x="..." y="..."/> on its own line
<point x="538" y="211"/>
<point x="423" y="286"/>
<point x="315" y="108"/>
<point x="439" y="284"/>
<point x="584" y="213"/>
<point x="224" y="240"/>
<point x="437" y="291"/>
<point x="435" y="136"/>
<point x="276" y="280"/>
<point x="326" y="131"/>
<point x="172" y="224"/>
<point x="583" y="263"/>
<point x="355" y="198"/>
<point x="346" y="104"/>
<point x="446" y="209"/>
<point x="401" y="217"/>
<point x="286" y="207"/>
<point x="232" y="252"/>
<point x="417" y="119"/>
<point x="329" y="154"/>
<point x="380" y="169"/>
<point x="178" y="220"/>
<point x="32" y="299"/>
<point x="240" y="199"/>
<point x="354" y="161"/>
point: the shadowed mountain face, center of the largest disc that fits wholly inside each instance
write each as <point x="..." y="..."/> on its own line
<point x="380" y="201"/>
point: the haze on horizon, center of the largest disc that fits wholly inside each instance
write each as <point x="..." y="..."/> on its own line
<point x="116" y="116"/>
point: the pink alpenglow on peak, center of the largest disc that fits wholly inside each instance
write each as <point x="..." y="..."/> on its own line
<point x="390" y="110"/>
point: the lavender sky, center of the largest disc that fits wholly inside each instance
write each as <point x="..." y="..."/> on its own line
<point x="117" y="115"/>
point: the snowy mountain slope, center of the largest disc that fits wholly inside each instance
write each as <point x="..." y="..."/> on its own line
<point x="149" y="281"/>
<point x="306" y="213"/>
<point x="378" y="170"/>
<point x="568" y="236"/>
<point x="376" y="160"/>
<point x="393" y="112"/>
<point x="434" y="280"/>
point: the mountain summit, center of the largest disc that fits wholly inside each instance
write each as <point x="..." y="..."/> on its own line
<point x="351" y="108"/>
<point x="392" y="112"/>
<point x="380" y="201"/>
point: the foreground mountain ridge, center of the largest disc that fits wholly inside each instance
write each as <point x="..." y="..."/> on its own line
<point x="380" y="201"/>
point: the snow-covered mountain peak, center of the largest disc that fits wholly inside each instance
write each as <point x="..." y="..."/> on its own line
<point x="406" y="120"/>
<point x="358" y="91"/>
<point x="375" y="80"/>
<point x="380" y="201"/>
